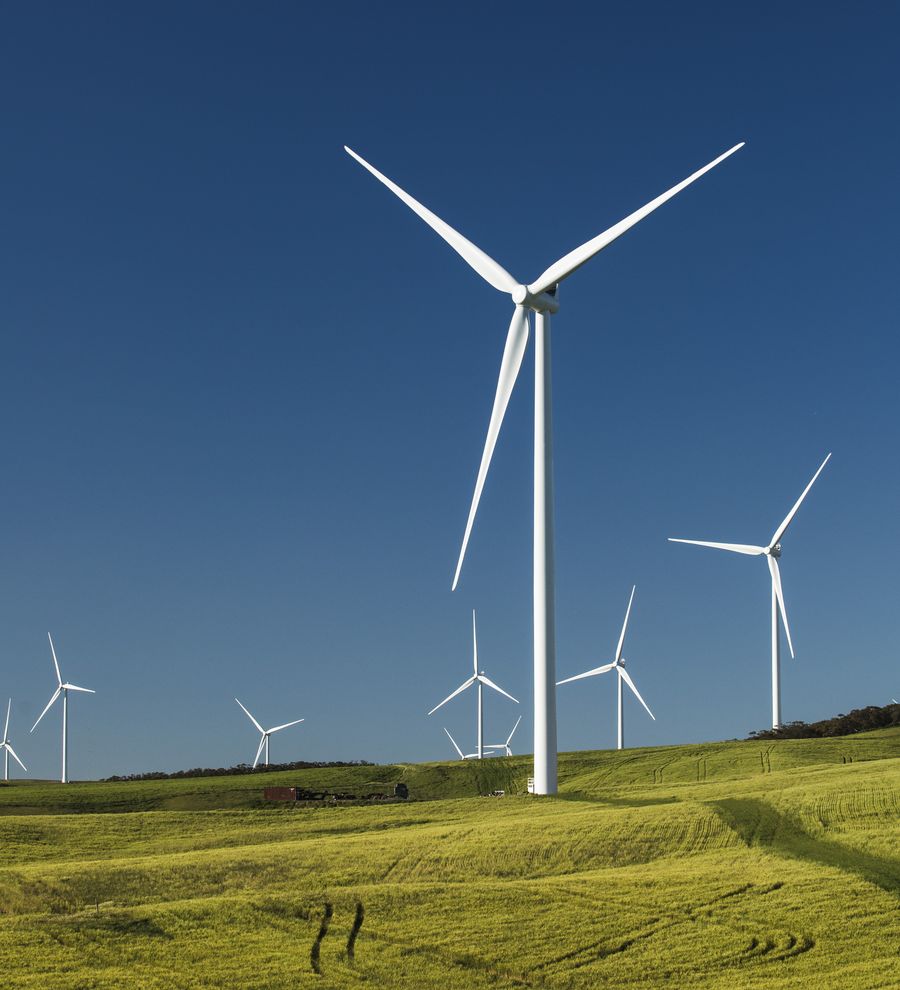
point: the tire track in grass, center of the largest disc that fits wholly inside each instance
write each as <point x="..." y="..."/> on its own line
<point x="354" y="931"/>
<point x="463" y="960"/>
<point x="658" y="771"/>
<point x="323" y="931"/>
<point x="601" y="949"/>
<point x="771" y="949"/>
<point x="613" y="767"/>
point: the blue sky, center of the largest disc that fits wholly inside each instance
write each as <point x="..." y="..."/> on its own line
<point x="244" y="390"/>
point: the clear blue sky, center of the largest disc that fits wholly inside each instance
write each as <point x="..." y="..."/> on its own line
<point x="244" y="391"/>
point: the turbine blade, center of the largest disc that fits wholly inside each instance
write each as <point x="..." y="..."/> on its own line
<point x="734" y="547"/>
<point x="458" y="750"/>
<point x="286" y="725"/>
<point x="513" y="352"/>
<point x="252" y="719"/>
<point x="262" y="743"/>
<point x="55" y="661"/>
<point x="491" y="684"/>
<point x="779" y="594"/>
<point x="516" y="726"/>
<point x="776" y="537"/>
<point x="474" y="646"/>
<point x="449" y="697"/>
<point x="625" y="625"/>
<point x="588" y="673"/>
<point x="575" y="259"/>
<point x="623" y="673"/>
<point x="486" y="267"/>
<point x="6" y="727"/>
<point x="56" y="694"/>
<point x="75" y="687"/>
<point x="12" y="753"/>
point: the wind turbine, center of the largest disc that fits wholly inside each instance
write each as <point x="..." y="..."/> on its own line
<point x="479" y="679"/>
<point x="618" y="665"/>
<point x="264" y="741"/>
<point x="62" y="689"/>
<point x="466" y="756"/>
<point x="539" y="297"/>
<point x="772" y="552"/>
<point x="505" y="746"/>
<point x="6" y="746"/>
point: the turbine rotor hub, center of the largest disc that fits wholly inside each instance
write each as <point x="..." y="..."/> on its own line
<point x="543" y="302"/>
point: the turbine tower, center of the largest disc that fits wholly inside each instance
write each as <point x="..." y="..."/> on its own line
<point x="62" y="689"/>
<point x="772" y="553"/>
<point x="618" y="665"/>
<point x="479" y="679"/>
<point x="539" y="297"/>
<point x="264" y="740"/>
<point x="6" y="746"/>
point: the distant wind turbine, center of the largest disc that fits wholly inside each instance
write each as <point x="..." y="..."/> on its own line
<point x="63" y="689"/>
<point x="478" y="678"/>
<point x="772" y="552"/>
<point x="466" y="756"/>
<point x="6" y="746"/>
<point x="264" y="740"/>
<point x="539" y="297"/>
<point x="505" y="746"/>
<point x="618" y="665"/>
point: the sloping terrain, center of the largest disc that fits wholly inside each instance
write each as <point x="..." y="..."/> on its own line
<point x="724" y="865"/>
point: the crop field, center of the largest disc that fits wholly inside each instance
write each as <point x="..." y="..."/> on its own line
<point x="725" y="865"/>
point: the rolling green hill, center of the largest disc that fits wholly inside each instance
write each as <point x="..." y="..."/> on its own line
<point x="725" y="865"/>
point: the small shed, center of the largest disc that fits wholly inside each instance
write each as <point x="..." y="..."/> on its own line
<point x="280" y="793"/>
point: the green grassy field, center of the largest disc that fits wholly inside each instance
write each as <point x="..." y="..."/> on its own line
<point x="727" y="865"/>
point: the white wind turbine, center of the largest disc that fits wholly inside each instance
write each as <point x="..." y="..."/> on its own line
<point x="264" y="741"/>
<point x="772" y="552"/>
<point x="505" y="746"/>
<point x="618" y="665"/>
<point x="62" y="689"/>
<point x="539" y="297"/>
<point x="6" y="746"/>
<point x="462" y="756"/>
<point x="479" y="679"/>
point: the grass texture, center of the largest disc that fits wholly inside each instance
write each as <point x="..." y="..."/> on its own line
<point x="742" y="864"/>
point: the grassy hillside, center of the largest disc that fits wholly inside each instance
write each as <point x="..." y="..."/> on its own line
<point x="724" y="865"/>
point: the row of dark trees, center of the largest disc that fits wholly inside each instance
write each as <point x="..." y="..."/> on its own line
<point x="241" y="768"/>
<point x="859" y="720"/>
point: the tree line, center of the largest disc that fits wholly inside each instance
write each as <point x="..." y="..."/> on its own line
<point x="236" y="771"/>
<point x="859" y="720"/>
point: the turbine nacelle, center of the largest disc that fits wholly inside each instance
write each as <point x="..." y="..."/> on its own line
<point x="774" y="551"/>
<point x="540" y="302"/>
